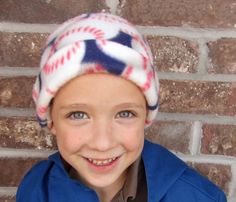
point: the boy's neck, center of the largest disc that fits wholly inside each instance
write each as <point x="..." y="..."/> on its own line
<point x="106" y="194"/>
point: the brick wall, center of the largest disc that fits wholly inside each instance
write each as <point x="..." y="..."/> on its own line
<point x="194" y="45"/>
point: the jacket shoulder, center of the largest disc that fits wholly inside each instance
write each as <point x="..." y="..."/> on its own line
<point x="191" y="186"/>
<point x="171" y="179"/>
<point x="34" y="183"/>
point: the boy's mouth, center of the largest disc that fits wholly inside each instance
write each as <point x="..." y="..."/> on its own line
<point x="100" y="162"/>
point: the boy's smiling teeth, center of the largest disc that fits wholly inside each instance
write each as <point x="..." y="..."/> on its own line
<point x="101" y="162"/>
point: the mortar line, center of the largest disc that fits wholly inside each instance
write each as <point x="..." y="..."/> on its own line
<point x="203" y="57"/>
<point x="17" y="112"/>
<point x="231" y="199"/>
<point x="232" y="187"/>
<point x="18" y="71"/>
<point x="205" y="118"/>
<point x="26" y="27"/>
<point x="8" y="191"/>
<point x="208" y="34"/>
<point x="195" y="140"/>
<point x="207" y="158"/>
<point x="197" y="77"/>
<point x="185" y="32"/>
<point x="112" y="4"/>
<point x="24" y="153"/>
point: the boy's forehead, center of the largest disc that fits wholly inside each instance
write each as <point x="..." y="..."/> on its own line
<point x="94" y="88"/>
<point x="95" y="81"/>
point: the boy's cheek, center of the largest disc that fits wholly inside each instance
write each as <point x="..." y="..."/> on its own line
<point x="133" y="139"/>
<point x="69" y="145"/>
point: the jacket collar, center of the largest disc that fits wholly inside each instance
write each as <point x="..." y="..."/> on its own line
<point x="162" y="169"/>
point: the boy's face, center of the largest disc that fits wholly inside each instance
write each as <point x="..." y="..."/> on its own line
<point x="98" y="120"/>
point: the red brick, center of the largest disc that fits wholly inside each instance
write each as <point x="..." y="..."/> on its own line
<point x="16" y="169"/>
<point x="24" y="133"/>
<point x="219" y="139"/>
<point x="172" y="54"/>
<point x="198" y="97"/>
<point x="16" y="92"/>
<point x="47" y="11"/>
<point x="21" y="49"/>
<point x="222" y="56"/>
<point x="201" y="13"/>
<point x="7" y="199"/>
<point x="172" y="135"/>
<point x="219" y="174"/>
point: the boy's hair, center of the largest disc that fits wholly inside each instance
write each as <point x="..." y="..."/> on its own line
<point x="93" y="43"/>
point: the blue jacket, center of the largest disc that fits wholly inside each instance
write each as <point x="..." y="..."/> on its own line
<point x="168" y="180"/>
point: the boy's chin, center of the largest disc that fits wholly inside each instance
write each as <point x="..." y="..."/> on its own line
<point x="106" y="181"/>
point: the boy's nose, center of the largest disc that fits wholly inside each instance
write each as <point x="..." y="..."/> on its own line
<point x="103" y="137"/>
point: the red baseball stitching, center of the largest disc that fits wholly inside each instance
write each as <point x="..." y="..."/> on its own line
<point x="49" y="68"/>
<point x="128" y="71"/>
<point x="148" y="122"/>
<point x="140" y="41"/>
<point x="49" y="91"/>
<point x="41" y="111"/>
<point x="145" y="62"/>
<point x="94" y="68"/>
<point x="35" y="94"/>
<point x="147" y="84"/>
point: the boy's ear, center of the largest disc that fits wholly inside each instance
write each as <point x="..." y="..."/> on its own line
<point x="51" y="128"/>
<point x="50" y="122"/>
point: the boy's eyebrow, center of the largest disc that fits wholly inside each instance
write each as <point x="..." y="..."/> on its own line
<point x="125" y="105"/>
<point x="132" y="105"/>
<point x="75" y="105"/>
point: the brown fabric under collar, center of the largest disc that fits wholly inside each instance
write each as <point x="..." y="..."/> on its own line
<point x="135" y="187"/>
<point x="130" y="187"/>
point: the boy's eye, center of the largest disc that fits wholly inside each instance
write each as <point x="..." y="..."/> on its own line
<point x="125" y="114"/>
<point x="78" y="115"/>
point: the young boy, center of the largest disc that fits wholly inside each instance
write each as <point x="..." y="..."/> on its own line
<point x="97" y="91"/>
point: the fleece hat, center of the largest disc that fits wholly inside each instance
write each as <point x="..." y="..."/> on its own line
<point x="93" y="43"/>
